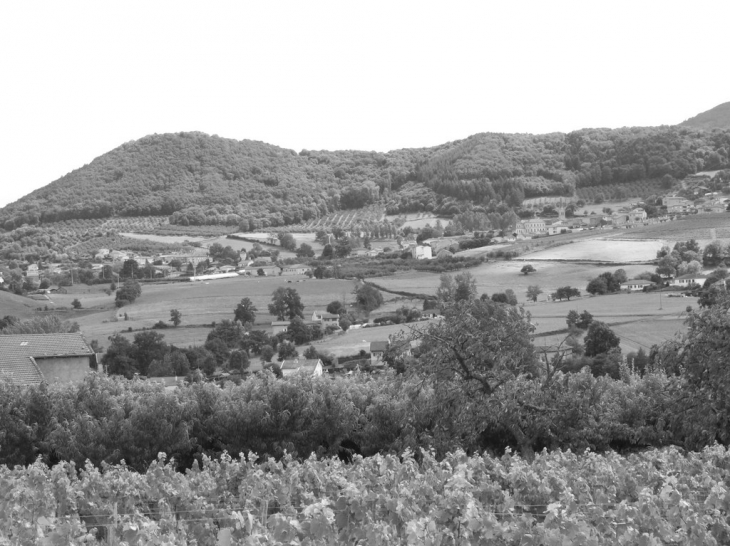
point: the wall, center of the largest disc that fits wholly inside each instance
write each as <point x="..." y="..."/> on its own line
<point x="64" y="369"/>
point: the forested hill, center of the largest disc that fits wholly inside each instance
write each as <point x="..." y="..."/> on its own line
<point x="715" y="118"/>
<point x="199" y="179"/>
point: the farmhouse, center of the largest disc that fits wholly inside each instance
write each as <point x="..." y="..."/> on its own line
<point x="528" y="228"/>
<point x="421" y="252"/>
<point x="686" y="280"/>
<point x="326" y="319"/>
<point x="678" y="205"/>
<point x="308" y="366"/>
<point x="635" y="285"/>
<point x="279" y="326"/>
<point x="296" y="269"/>
<point x="30" y="359"/>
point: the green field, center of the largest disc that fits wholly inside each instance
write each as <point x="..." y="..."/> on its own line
<point x="702" y="227"/>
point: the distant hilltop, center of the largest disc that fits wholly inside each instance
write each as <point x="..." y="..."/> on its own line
<point x="715" y="118"/>
<point x="197" y="179"/>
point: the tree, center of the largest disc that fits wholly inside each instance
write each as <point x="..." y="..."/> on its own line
<point x="175" y="317"/>
<point x="572" y="318"/>
<point x="478" y="349"/>
<point x="445" y="291"/>
<point x="567" y="292"/>
<point x="76" y="304"/>
<point x="128" y="292"/>
<point x="466" y="287"/>
<point x="238" y="360"/>
<point x="585" y="320"/>
<point x="597" y="286"/>
<point x="231" y="333"/>
<point x="287" y="241"/>
<point x="130" y="269"/>
<point x="245" y="312"/>
<point x="344" y="324"/>
<point x="305" y="251"/>
<point x="286" y="304"/>
<point x="533" y="291"/>
<point x="287" y="350"/>
<point x="298" y="331"/>
<point x="368" y="297"/>
<point x="267" y="353"/>
<point x="600" y="339"/>
<point x="527" y="269"/>
<point x="336" y="307"/>
<point x="343" y="248"/>
<point x="148" y="346"/>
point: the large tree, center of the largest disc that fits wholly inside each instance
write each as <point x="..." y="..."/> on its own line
<point x="368" y="297"/>
<point x="600" y="339"/>
<point x="245" y="311"/>
<point x="286" y="304"/>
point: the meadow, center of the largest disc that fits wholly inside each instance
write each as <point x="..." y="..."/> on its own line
<point x="601" y="250"/>
<point x="702" y="227"/>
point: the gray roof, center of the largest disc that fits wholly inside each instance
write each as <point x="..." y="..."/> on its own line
<point x="378" y="346"/>
<point x="18" y="353"/>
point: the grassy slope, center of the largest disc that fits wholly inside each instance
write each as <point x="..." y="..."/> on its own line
<point x="17" y="306"/>
<point x="715" y="118"/>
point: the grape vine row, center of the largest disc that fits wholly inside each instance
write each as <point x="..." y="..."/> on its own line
<point x="656" y="497"/>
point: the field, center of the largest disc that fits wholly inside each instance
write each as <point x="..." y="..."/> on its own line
<point x="17" y="306"/>
<point x="601" y="250"/>
<point x="702" y="227"/>
<point x="200" y="304"/>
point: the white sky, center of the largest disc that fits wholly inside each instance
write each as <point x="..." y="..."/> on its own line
<point x="78" y="79"/>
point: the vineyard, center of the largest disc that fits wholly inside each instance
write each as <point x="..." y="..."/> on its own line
<point x="656" y="497"/>
<point x="345" y="219"/>
<point x="618" y="192"/>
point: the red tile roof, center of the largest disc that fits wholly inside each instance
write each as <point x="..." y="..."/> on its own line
<point x="18" y="353"/>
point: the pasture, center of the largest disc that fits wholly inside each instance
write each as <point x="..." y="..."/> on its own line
<point x="601" y="250"/>
<point x="702" y="227"/>
<point x="17" y="306"/>
<point x="498" y="276"/>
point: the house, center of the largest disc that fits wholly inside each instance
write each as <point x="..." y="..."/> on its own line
<point x="557" y="228"/>
<point x="297" y="269"/>
<point x="635" y="285"/>
<point x="267" y="271"/>
<point x="308" y="366"/>
<point x="2" y="281"/>
<point x="279" y="326"/>
<point x="326" y="319"/>
<point x="678" y="205"/>
<point x="377" y="351"/>
<point x="530" y="227"/>
<point x="687" y="280"/>
<point x="32" y="271"/>
<point x="31" y="359"/>
<point x="421" y="252"/>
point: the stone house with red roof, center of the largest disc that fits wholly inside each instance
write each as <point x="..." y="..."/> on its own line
<point x="31" y="359"/>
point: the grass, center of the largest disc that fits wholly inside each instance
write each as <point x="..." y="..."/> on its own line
<point x="698" y="227"/>
<point x="17" y="306"/>
<point x="603" y="250"/>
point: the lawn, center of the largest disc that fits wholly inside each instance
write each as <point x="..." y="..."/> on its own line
<point x="702" y="227"/>
<point x="17" y="306"/>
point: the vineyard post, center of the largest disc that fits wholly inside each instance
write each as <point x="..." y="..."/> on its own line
<point x="113" y="527"/>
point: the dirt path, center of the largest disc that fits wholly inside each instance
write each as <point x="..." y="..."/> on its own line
<point x="713" y="234"/>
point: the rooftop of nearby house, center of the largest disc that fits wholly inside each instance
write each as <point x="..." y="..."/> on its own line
<point x="297" y="364"/>
<point x="378" y="346"/>
<point x="19" y="351"/>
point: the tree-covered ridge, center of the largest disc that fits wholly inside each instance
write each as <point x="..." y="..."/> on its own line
<point x="714" y="118"/>
<point x="197" y="179"/>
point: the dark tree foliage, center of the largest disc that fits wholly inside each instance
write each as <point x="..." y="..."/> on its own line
<point x="245" y="311"/>
<point x="600" y="339"/>
<point x="286" y="304"/>
<point x="368" y="297"/>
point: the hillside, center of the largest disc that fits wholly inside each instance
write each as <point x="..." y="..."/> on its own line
<point x="17" y="306"/>
<point x="715" y="118"/>
<point x="197" y="179"/>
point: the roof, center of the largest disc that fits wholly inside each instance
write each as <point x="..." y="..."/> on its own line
<point x="18" y="353"/>
<point x="378" y="346"/>
<point x="638" y="281"/>
<point x="298" y="364"/>
<point x="280" y="323"/>
<point x="691" y="277"/>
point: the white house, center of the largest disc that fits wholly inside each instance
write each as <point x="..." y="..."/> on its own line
<point x="326" y="319"/>
<point x="296" y="269"/>
<point x="635" y="285"/>
<point x="308" y="366"/>
<point x="528" y="228"/>
<point x="421" y="252"/>
<point x="686" y="280"/>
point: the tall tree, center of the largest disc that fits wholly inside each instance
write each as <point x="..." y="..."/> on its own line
<point x="286" y="304"/>
<point x="245" y="311"/>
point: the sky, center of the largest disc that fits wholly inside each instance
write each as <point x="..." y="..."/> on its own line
<point x="79" y="78"/>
